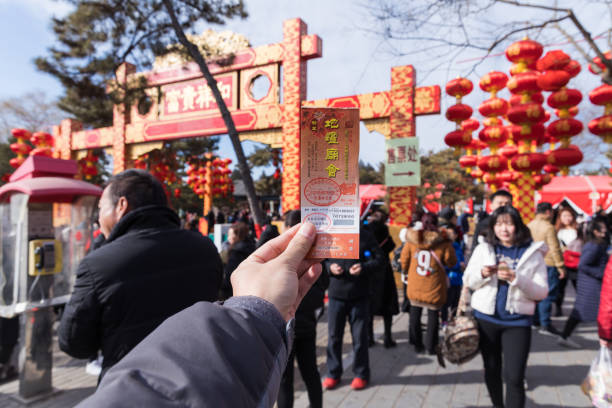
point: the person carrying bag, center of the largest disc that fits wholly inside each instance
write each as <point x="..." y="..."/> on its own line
<point x="508" y="276"/>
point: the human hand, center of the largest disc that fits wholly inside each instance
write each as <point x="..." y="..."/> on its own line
<point x="336" y="269"/>
<point x="488" y="271"/>
<point x="505" y="273"/>
<point x="355" y="270"/>
<point x="605" y="343"/>
<point x="561" y="273"/>
<point x="277" y="271"/>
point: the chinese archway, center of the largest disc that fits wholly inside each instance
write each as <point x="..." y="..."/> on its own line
<point x="182" y="106"/>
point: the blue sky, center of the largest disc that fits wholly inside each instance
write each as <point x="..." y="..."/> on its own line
<point x="354" y="60"/>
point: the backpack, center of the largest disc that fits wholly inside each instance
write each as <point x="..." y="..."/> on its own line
<point x="460" y="342"/>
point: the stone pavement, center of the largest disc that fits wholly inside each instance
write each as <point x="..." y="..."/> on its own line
<point x="400" y="378"/>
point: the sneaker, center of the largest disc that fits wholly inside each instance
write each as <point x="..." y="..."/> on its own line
<point x="568" y="343"/>
<point x="330" y="383"/>
<point x="94" y="367"/>
<point x="549" y="331"/>
<point x="358" y="383"/>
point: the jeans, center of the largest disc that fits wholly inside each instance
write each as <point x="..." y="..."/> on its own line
<point x="358" y="314"/>
<point x="452" y="301"/>
<point x="415" y="333"/>
<point x="513" y="344"/>
<point x="304" y="349"/>
<point x="544" y="307"/>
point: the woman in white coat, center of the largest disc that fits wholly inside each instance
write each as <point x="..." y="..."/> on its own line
<point x="508" y="276"/>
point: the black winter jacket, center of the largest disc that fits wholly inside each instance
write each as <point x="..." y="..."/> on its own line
<point x="148" y="270"/>
<point x="347" y="286"/>
<point x="236" y="254"/>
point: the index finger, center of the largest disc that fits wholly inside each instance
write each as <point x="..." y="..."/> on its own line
<point x="274" y="247"/>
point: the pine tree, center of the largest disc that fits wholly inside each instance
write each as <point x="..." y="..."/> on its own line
<point x="100" y="35"/>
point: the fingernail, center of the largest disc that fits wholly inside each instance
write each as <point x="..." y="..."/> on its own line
<point x="308" y="230"/>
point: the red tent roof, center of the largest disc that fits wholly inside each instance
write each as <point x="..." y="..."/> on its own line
<point x="371" y="191"/>
<point x="50" y="189"/>
<point x="583" y="193"/>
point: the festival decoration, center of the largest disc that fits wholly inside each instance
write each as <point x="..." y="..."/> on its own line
<point x="20" y="148"/>
<point x="494" y="134"/>
<point x="88" y="168"/>
<point x="602" y="126"/>
<point x="210" y="178"/>
<point x="458" y="113"/>
<point x="43" y="143"/>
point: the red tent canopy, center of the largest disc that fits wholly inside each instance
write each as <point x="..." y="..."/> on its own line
<point x="585" y="194"/>
<point x="369" y="193"/>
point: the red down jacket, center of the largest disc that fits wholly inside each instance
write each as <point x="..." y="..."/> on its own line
<point x="604" y="319"/>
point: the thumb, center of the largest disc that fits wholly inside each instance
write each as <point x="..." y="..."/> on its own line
<point x="299" y="246"/>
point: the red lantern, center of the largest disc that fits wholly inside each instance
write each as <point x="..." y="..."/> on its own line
<point x="458" y="113"/>
<point x="493" y="135"/>
<point x="492" y="164"/>
<point x="527" y="162"/>
<point x="573" y="68"/>
<point x="599" y="64"/>
<point x="20" y="148"/>
<point x="493" y="107"/>
<point x="493" y="82"/>
<point x="470" y="125"/>
<point x="468" y="161"/>
<point x="533" y="132"/>
<point x="541" y="180"/>
<point x="528" y="113"/>
<point x="550" y="168"/>
<point x="177" y="192"/>
<point x="477" y="173"/>
<point x="565" y="157"/>
<point x="524" y="83"/>
<point x="16" y="161"/>
<point x="536" y="97"/>
<point x="458" y="139"/>
<point x="524" y="52"/>
<point x="553" y="60"/>
<point x="553" y="80"/>
<point x="602" y="127"/>
<point x="459" y="87"/>
<point x="564" y="128"/>
<point x="602" y="95"/>
<point x="21" y="133"/>
<point x="508" y="151"/>
<point x="564" y="98"/>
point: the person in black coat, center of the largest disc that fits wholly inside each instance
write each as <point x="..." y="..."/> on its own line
<point x="383" y="300"/>
<point x="304" y="344"/>
<point x="240" y="247"/>
<point x="593" y="260"/>
<point x="148" y="270"/>
<point x="349" y="298"/>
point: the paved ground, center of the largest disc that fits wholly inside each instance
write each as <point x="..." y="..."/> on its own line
<point x="399" y="377"/>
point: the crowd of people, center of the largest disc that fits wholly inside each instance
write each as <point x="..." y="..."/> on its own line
<point x="146" y="282"/>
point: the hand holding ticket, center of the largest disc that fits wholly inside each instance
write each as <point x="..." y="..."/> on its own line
<point x="329" y="153"/>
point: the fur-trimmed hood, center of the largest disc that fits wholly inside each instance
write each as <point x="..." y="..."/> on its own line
<point x="430" y="238"/>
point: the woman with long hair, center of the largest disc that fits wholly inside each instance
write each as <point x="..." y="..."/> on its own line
<point x="591" y="268"/>
<point x="567" y="232"/>
<point x="426" y="252"/>
<point x="508" y="276"/>
<point x="240" y="247"/>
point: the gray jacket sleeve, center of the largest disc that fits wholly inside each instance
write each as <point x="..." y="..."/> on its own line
<point x="208" y="355"/>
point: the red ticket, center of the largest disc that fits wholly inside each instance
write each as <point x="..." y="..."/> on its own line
<point x="329" y="160"/>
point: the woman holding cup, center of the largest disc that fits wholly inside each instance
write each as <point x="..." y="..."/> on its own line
<point x="508" y="276"/>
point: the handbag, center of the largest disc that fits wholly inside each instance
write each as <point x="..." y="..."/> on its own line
<point x="598" y="383"/>
<point x="460" y="338"/>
